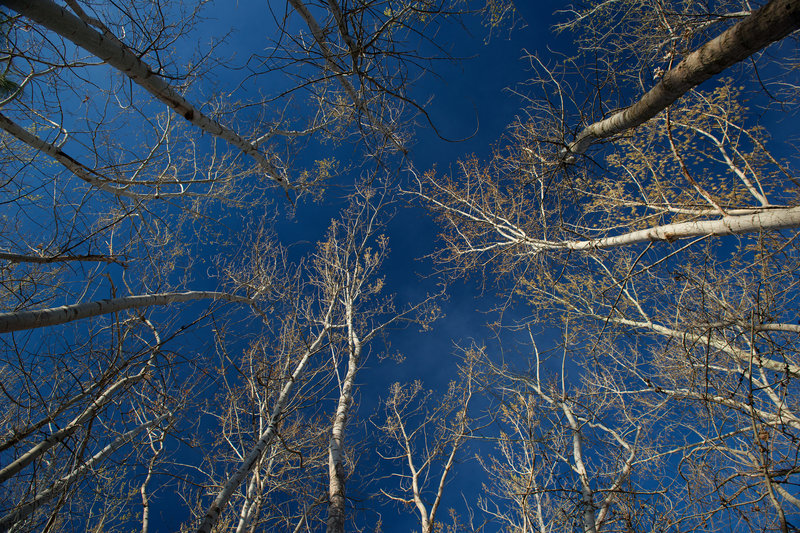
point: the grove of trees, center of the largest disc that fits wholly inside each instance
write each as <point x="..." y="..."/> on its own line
<point x="201" y="302"/>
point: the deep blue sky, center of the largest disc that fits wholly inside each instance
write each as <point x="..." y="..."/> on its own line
<point x="471" y="101"/>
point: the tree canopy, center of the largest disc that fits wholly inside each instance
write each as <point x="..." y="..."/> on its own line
<point x="245" y="287"/>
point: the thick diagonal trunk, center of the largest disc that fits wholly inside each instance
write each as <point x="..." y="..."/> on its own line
<point x="116" y="54"/>
<point x="771" y="23"/>
<point x="766" y="220"/>
<point x="53" y="316"/>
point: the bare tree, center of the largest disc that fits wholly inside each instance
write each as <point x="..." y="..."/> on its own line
<point x="566" y="456"/>
<point x="283" y="483"/>
<point x="114" y="53"/>
<point x="670" y="257"/>
<point x="349" y="261"/>
<point x="69" y="421"/>
<point x="771" y="23"/>
<point x="515" y="207"/>
<point x="423" y="429"/>
<point x="698" y="363"/>
<point x="335" y="307"/>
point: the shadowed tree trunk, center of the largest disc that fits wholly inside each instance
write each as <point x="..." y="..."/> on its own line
<point x="116" y="54"/>
<point x="68" y="313"/>
<point x="771" y="23"/>
<point x="85" y="173"/>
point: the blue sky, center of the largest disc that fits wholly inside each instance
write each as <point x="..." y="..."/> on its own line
<point x="468" y="100"/>
<point x="472" y="102"/>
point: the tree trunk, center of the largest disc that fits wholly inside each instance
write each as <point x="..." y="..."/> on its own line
<point x="26" y="509"/>
<point x="708" y="340"/>
<point x="336" y="477"/>
<point x="40" y="260"/>
<point x="53" y="316"/>
<point x="79" y="169"/>
<point x="767" y="220"/>
<point x="587" y="494"/>
<point x="252" y="459"/>
<point x="112" y="51"/>
<point x="771" y="23"/>
<point x="78" y="422"/>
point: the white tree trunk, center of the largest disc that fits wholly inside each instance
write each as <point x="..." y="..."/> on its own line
<point x="266" y="438"/>
<point x="510" y="234"/>
<point x="39" y="318"/>
<point x="79" y="169"/>
<point x="254" y="495"/>
<point x="587" y="495"/>
<point x="336" y="477"/>
<point x="768" y="220"/>
<point x="708" y="340"/>
<point x="116" y="54"/>
<point x="18" y="435"/>
<point x="25" y="510"/>
<point x="771" y="23"/>
<point x="78" y="422"/>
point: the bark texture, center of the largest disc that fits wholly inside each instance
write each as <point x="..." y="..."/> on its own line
<point x="774" y="219"/>
<point x="112" y="51"/>
<point x="67" y="313"/>
<point x="771" y="23"/>
<point x="336" y="475"/>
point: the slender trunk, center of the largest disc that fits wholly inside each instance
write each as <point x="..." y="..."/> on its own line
<point x="612" y="494"/>
<point x="53" y="316"/>
<point x="26" y="509"/>
<point x="708" y="340"/>
<point x="778" y="419"/>
<point x="113" y="52"/>
<point x="266" y="438"/>
<point x="143" y="492"/>
<point x="587" y="495"/>
<point x="770" y="23"/>
<point x="341" y="23"/>
<point x="18" y="435"/>
<point x="336" y="477"/>
<point x="253" y="496"/>
<point x="415" y="486"/>
<point x="79" y="169"/>
<point x="429" y="521"/>
<point x="78" y="422"/>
